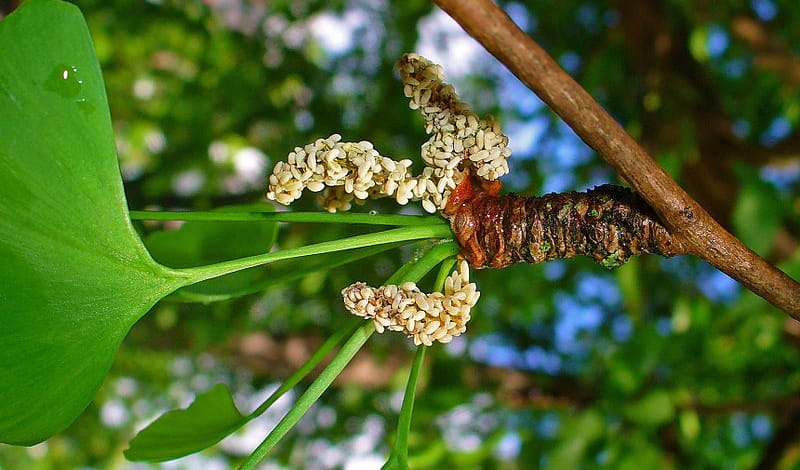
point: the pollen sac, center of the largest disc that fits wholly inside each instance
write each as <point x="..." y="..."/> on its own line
<point x="461" y="144"/>
<point x="460" y="141"/>
<point x="346" y="172"/>
<point x="438" y="316"/>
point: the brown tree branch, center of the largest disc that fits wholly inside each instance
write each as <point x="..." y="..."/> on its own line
<point x="682" y="215"/>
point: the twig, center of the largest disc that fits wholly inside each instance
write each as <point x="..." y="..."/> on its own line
<point x="682" y="215"/>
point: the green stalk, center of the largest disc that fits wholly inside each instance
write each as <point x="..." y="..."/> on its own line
<point x="398" y="459"/>
<point x="309" y="365"/>
<point x="444" y="270"/>
<point x="308" y="217"/>
<point x="409" y="272"/>
<point x="315" y="390"/>
<point x="288" y="271"/>
<point x="203" y="273"/>
<point x="424" y="264"/>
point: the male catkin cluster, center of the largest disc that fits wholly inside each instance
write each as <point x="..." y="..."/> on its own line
<point x="463" y="158"/>
<point x="346" y="172"/>
<point x="426" y="318"/>
<point x="460" y="141"/>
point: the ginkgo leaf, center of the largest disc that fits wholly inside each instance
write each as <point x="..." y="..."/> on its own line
<point x="74" y="276"/>
<point x="211" y="417"/>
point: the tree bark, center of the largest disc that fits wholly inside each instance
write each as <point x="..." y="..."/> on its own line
<point x="608" y="224"/>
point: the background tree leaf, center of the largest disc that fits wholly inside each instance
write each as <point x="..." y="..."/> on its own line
<point x="75" y="276"/>
<point x="654" y="409"/>
<point x="579" y="432"/>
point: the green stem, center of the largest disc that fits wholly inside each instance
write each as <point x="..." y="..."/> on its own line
<point x="309" y="365"/>
<point x="425" y="263"/>
<point x="444" y="270"/>
<point x="284" y="271"/>
<point x="309" y="217"/>
<point x="387" y="236"/>
<point x="404" y="422"/>
<point x="409" y="272"/>
<point x="399" y="457"/>
<point x="311" y="395"/>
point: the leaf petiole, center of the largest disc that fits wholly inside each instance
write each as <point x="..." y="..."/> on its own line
<point x="424" y="264"/>
<point x="309" y="365"/>
<point x="307" y="217"/>
<point x="398" y="458"/>
<point x="203" y="273"/>
<point x="315" y="390"/>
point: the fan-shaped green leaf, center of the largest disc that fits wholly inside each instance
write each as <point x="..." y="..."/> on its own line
<point x="211" y="417"/>
<point x="74" y="276"/>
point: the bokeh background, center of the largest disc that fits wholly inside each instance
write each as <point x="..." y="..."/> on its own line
<point x="663" y="363"/>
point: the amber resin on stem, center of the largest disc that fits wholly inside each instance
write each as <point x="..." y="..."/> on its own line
<point x="608" y="223"/>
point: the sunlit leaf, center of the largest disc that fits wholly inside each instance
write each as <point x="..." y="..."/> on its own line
<point x="75" y="276"/>
<point x="689" y="424"/>
<point x="698" y="44"/>
<point x="578" y="433"/>
<point x="757" y="214"/>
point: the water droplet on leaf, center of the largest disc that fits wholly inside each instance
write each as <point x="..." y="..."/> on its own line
<point x="64" y="81"/>
<point x="85" y="106"/>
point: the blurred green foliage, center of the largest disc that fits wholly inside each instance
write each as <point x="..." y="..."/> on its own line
<point x="659" y="364"/>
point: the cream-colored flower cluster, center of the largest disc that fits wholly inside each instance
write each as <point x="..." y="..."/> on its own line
<point x="348" y="171"/>
<point x="438" y="316"/>
<point x="344" y="172"/>
<point x="459" y="140"/>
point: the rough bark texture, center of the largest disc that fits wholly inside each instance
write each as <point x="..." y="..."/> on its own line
<point x="608" y="224"/>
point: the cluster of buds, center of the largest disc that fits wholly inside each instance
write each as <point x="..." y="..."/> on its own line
<point x="460" y="143"/>
<point x="426" y="318"/>
<point x="460" y="146"/>
<point x="348" y="171"/>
